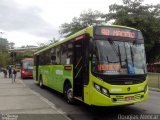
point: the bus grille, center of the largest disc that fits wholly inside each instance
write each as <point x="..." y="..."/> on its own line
<point x="122" y="79"/>
<point x="125" y="81"/>
<point x="121" y="98"/>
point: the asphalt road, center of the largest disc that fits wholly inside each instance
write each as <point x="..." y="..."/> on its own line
<point x="80" y="111"/>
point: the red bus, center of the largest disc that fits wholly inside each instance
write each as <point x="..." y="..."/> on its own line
<point x="27" y="68"/>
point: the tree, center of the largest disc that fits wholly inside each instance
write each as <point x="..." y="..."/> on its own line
<point x="4" y="59"/>
<point x="21" y="55"/>
<point x="46" y="44"/>
<point x="4" y="55"/>
<point x="11" y="45"/>
<point x="3" y="44"/>
<point x="78" y="23"/>
<point x="143" y="17"/>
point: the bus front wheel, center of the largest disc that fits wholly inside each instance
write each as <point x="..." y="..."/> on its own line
<point x="68" y="92"/>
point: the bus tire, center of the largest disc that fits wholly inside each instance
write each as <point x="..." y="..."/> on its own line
<point x="68" y="93"/>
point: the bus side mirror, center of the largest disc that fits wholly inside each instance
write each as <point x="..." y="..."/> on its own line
<point x="53" y="58"/>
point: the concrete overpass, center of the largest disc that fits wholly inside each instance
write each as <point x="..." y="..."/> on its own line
<point x="23" y="49"/>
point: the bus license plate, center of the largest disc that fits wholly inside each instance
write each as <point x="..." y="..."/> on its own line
<point x="129" y="98"/>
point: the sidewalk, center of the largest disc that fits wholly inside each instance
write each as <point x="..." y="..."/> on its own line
<point x="154" y="89"/>
<point x="18" y="99"/>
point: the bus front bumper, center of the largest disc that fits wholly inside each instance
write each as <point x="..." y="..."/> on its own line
<point x="26" y="75"/>
<point x="119" y="99"/>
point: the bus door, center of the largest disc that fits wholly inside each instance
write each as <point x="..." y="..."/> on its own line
<point x="81" y="64"/>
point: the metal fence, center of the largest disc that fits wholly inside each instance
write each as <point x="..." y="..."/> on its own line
<point x="154" y="80"/>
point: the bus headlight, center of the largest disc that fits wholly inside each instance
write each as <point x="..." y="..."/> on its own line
<point x="97" y="87"/>
<point x="105" y="92"/>
<point x="101" y="89"/>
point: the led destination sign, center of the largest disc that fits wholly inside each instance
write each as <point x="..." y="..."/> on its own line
<point x="113" y="31"/>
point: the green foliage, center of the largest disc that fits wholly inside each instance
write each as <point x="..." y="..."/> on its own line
<point x="11" y="45"/>
<point x="78" y="23"/>
<point x="41" y="46"/>
<point x="143" y="17"/>
<point x="46" y="44"/>
<point x="3" y="44"/>
<point x="4" y="59"/>
<point x="4" y="55"/>
<point x="20" y="56"/>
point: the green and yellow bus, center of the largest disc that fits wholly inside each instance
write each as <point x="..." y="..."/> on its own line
<point x="101" y="65"/>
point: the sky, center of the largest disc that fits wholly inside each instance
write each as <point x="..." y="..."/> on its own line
<point x="31" y="22"/>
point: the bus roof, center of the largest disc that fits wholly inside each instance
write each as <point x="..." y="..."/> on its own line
<point x="88" y="29"/>
<point x="65" y="39"/>
<point x="120" y="26"/>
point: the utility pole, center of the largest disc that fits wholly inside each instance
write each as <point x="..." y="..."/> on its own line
<point x="13" y="55"/>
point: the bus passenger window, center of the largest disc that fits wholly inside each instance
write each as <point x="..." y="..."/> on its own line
<point x="67" y="53"/>
<point x="52" y="56"/>
<point x="63" y="54"/>
<point x="68" y="61"/>
<point x="58" y="55"/>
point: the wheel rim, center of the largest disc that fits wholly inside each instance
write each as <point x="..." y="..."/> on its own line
<point x="69" y="94"/>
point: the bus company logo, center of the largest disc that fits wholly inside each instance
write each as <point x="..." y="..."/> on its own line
<point x="59" y="72"/>
<point x="128" y="88"/>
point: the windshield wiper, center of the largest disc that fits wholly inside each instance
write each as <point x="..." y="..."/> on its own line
<point x="117" y="52"/>
<point x="120" y="56"/>
<point x="132" y="55"/>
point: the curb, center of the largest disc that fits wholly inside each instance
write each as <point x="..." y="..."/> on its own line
<point x="47" y="101"/>
<point x="154" y="89"/>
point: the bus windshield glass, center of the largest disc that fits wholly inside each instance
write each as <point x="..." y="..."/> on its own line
<point x="28" y="65"/>
<point x="118" y="57"/>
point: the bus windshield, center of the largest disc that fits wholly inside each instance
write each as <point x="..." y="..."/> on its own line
<point x="118" y="57"/>
<point x="28" y="65"/>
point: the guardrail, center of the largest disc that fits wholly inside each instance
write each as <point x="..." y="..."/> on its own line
<point x="154" y="80"/>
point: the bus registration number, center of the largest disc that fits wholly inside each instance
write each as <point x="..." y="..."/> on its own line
<point x="129" y="98"/>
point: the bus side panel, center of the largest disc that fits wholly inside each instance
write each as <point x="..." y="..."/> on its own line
<point x="34" y="73"/>
<point x="43" y="72"/>
<point x="67" y="75"/>
<point x="54" y="76"/>
<point x="61" y="75"/>
<point x="47" y="73"/>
